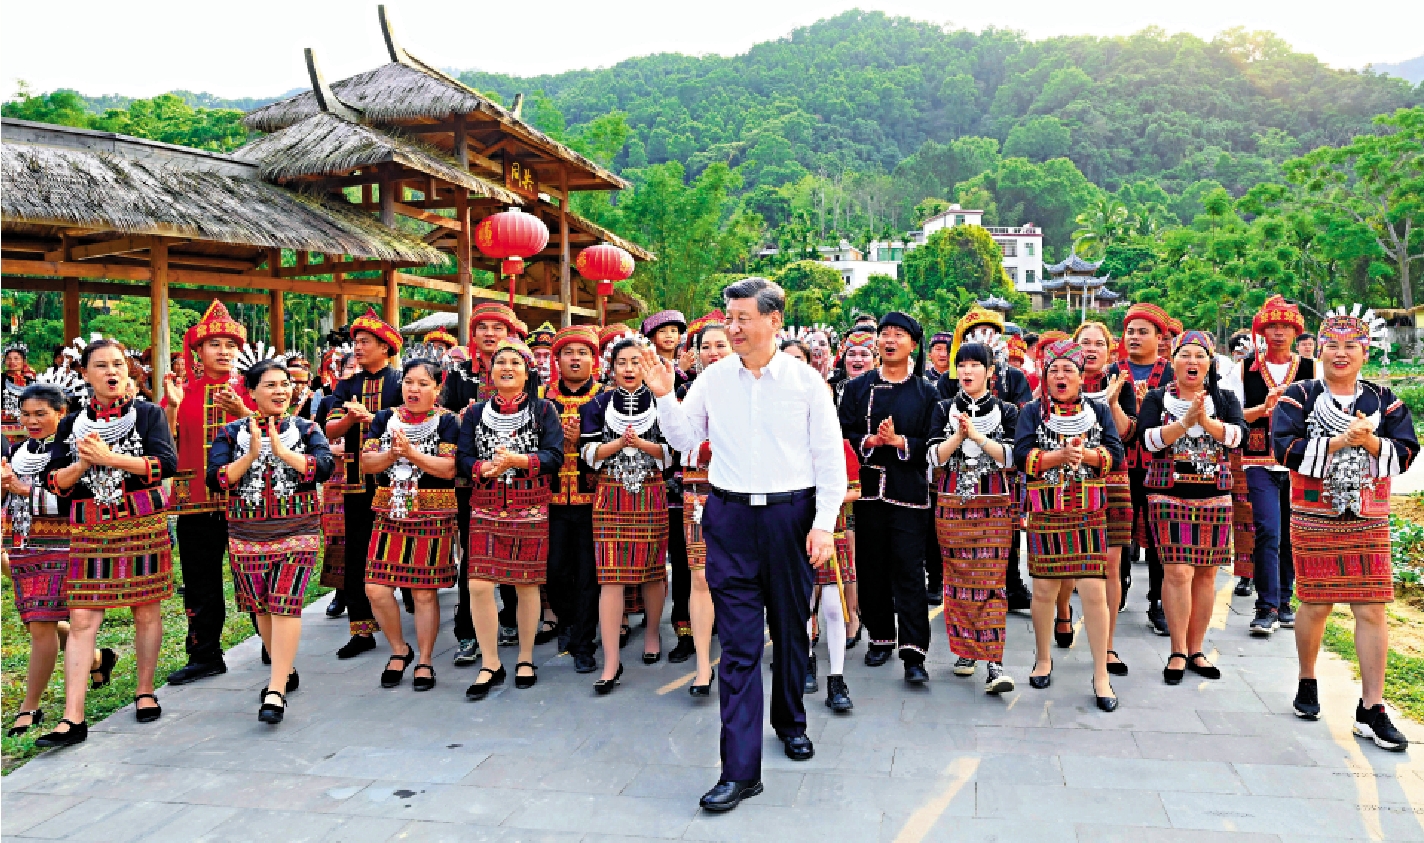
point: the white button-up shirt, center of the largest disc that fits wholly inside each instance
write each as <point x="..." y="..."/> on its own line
<point x="775" y="433"/>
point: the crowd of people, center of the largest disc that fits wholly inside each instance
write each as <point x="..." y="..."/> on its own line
<point x="827" y="489"/>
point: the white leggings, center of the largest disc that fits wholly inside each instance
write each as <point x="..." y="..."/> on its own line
<point x="833" y="628"/>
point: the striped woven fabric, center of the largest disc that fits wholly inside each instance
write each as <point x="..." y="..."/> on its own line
<point x="1067" y="544"/>
<point x="630" y="533"/>
<point x="974" y="549"/>
<point x="413" y="552"/>
<point x="121" y="563"/>
<point x="271" y="577"/>
<point x="1341" y="560"/>
<point x="845" y="554"/>
<point x="1191" y="532"/>
<point x="1243" y="524"/>
<point x="1119" y="509"/>
<point x="38" y="575"/>
<point x="333" y="532"/>
<point x="509" y="532"/>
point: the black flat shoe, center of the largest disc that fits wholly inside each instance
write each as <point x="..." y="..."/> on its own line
<point x="684" y="650"/>
<point x="799" y="748"/>
<point x="522" y="682"/>
<point x="623" y="633"/>
<point x="149" y="714"/>
<point x="1064" y="640"/>
<point x="36" y="718"/>
<point x="337" y="607"/>
<point x="810" y="686"/>
<point x="584" y="663"/>
<point x="294" y="681"/>
<point x="915" y="674"/>
<point x="269" y="713"/>
<point x="1204" y="670"/>
<point x="1104" y="703"/>
<point x="548" y="631"/>
<point x="107" y="660"/>
<point x="876" y="658"/>
<point x="854" y="639"/>
<point x="422" y="683"/>
<point x="1041" y="682"/>
<point x="391" y="678"/>
<point x="197" y="670"/>
<point x="356" y="646"/>
<point x="605" y="686"/>
<point x="1173" y="676"/>
<point x="1117" y="668"/>
<point x="727" y="795"/>
<point x="480" y="690"/>
<point x="76" y="734"/>
<point x="703" y="690"/>
<point x="652" y="658"/>
<point x="266" y="656"/>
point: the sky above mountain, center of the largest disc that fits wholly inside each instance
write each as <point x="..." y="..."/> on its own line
<point x="147" y="47"/>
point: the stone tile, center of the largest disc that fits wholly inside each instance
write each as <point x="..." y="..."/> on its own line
<point x="1088" y="833"/>
<point x="1379" y="785"/>
<point x="1151" y="774"/>
<point x="445" y="803"/>
<point x="405" y="765"/>
<point x="1219" y="748"/>
<point x="1272" y="815"/>
<point x="605" y="814"/>
<point x="1072" y="805"/>
<point x="221" y="754"/>
<point x="1130" y="717"/>
<point x="750" y="821"/>
<point x="948" y="795"/>
<point x="926" y="762"/>
<point x="23" y="811"/>
<point x="689" y="783"/>
<point x="1009" y="740"/>
<point x="552" y="774"/>
<point x="954" y="829"/>
<point x="264" y="826"/>
<point x="269" y="791"/>
<point x="434" y="832"/>
<point x="122" y="782"/>
<point x="102" y="820"/>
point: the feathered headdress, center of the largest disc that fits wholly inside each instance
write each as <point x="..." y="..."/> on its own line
<point x="251" y="355"/>
<point x="975" y="318"/>
<point x="65" y="380"/>
<point x="1353" y="326"/>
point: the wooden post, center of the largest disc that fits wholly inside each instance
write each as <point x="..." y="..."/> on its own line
<point x="565" y="282"/>
<point x="388" y="219"/>
<point x="71" y="308"/>
<point x="338" y="302"/>
<point x="276" y="307"/>
<point x="462" y="240"/>
<point x="158" y="313"/>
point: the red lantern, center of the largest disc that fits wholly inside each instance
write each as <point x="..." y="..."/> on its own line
<point x="604" y="264"/>
<point x="511" y="236"/>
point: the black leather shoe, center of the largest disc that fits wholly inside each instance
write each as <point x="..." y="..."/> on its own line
<point x="266" y="656"/>
<point x="703" y="690"/>
<point x="1173" y="675"/>
<point x="604" y="687"/>
<point x="875" y="657"/>
<point x="915" y="674"/>
<point x="728" y="795"/>
<point x="1244" y="587"/>
<point x="838" y="695"/>
<point x="422" y="683"/>
<point x="337" y="607"/>
<point x="684" y="650"/>
<point x="1064" y="640"/>
<point x="548" y="631"/>
<point x="798" y="748"/>
<point x="356" y="646"/>
<point x="584" y="663"/>
<point x="811" y="686"/>
<point x="36" y="718"/>
<point x="150" y="713"/>
<point x="564" y="637"/>
<point x="294" y="681"/>
<point x="270" y="713"/>
<point x="1157" y="619"/>
<point x="79" y="732"/>
<point x="1041" y="682"/>
<point x="1020" y="601"/>
<point x="1105" y="703"/>
<point x="854" y="639"/>
<point x="194" y="671"/>
<point x="107" y="660"/>
<point x="522" y="682"/>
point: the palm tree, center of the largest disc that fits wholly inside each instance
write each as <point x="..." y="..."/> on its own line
<point x="1103" y="223"/>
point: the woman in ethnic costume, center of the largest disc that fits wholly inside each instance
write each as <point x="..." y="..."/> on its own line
<point x="708" y="336"/>
<point x="1190" y="427"/>
<point x="270" y="470"/>
<point x="411" y="449"/>
<point x="1343" y="438"/>
<point x="36" y="528"/>
<point x="622" y="440"/>
<point x="337" y="366"/>
<point x="109" y="462"/>
<point x="1107" y="388"/>
<point x="510" y="445"/>
<point x="971" y="438"/>
<point x="1064" y="444"/>
<point x="17" y="376"/>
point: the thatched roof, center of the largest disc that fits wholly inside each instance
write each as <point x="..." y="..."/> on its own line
<point x="400" y="93"/>
<point x="122" y="185"/>
<point x="325" y="144"/>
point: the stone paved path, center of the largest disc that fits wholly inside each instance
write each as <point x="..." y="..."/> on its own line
<point x="1210" y="761"/>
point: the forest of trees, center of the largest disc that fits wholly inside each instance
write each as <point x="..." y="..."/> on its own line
<point x="1206" y="173"/>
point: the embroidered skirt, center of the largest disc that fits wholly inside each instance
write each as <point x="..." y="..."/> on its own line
<point x="38" y="576"/>
<point x="333" y="533"/>
<point x="509" y="532"/>
<point x="1119" y="509"/>
<point x="695" y="489"/>
<point x="630" y="533"/>
<point x="414" y="552"/>
<point x="1067" y="544"/>
<point x="974" y="546"/>
<point x="1243" y="522"/>
<point x="1341" y="560"/>
<point x="271" y="577"/>
<point x="120" y="563"/>
<point x="845" y="559"/>
<point x="1191" y="532"/>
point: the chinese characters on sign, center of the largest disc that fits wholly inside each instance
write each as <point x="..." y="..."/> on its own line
<point x="521" y="178"/>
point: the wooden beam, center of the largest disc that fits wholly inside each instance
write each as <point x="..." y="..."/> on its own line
<point x="465" y="278"/>
<point x="118" y="246"/>
<point x="565" y="281"/>
<point x="204" y="261"/>
<point x="158" y="311"/>
<point x="424" y="216"/>
<point x="426" y="283"/>
<point x="71" y="307"/>
<point x="110" y="288"/>
<point x="328" y="267"/>
<point x="276" y="307"/>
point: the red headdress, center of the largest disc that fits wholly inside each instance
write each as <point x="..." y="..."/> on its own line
<point x="373" y="325"/>
<point x="1276" y="311"/>
<point x="216" y="322"/>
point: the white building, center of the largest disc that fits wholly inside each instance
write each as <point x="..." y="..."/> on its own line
<point x="1022" y="246"/>
<point x="851" y="263"/>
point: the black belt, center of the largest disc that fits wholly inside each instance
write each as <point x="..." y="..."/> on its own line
<point x="767" y="499"/>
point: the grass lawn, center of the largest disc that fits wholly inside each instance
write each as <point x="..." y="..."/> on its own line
<point x="116" y="633"/>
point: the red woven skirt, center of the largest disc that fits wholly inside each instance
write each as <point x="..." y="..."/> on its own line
<point x="509" y="532"/>
<point x="694" y="498"/>
<point x="974" y="548"/>
<point x="1243" y="522"/>
<point x="121" y="563"/>
<point x="271" y="577"/>
<point x="1341" y="560"/>
<point x="1191" y="532"/>
<point x="413" y="552"/>
<point x="1119" y="509"/>
<point x="845" y="554"/>
<point x="38" y="576"/>
<point x="333" y="533"/>
<point x="630" y="533"/>
<point x="1067" y="544"/>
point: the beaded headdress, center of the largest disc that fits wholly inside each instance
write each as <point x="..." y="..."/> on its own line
<point x="1353" y="326"/>
<point x="1065" y="349"/>
<point x="376" y="327"/>
<point x="1195" y="337"/>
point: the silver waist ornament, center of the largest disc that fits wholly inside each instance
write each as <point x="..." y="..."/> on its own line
<point x="1349" y="471"/>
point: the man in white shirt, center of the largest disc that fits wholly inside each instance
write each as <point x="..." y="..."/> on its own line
<point x="778" y="478"/>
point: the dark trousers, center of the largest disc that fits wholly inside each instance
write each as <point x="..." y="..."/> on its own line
<point x="202" y="544"/>
<point x="890" y="576"/>
<point x="464" y="621"/>
<point x="360" y="519"/>
<point x="681" y="574"/>
<point x="760" y="578"/>
<point x="573" y="575"/>
<point x="1137" y="486"/>
<point x="1269" y="492"/>
<point x="934" y="569"/>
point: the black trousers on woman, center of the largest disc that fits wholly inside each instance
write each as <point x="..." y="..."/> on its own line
<point x="890" y="577"/>
<point x="360" y="520"/>
<point x="681" y="574"/>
